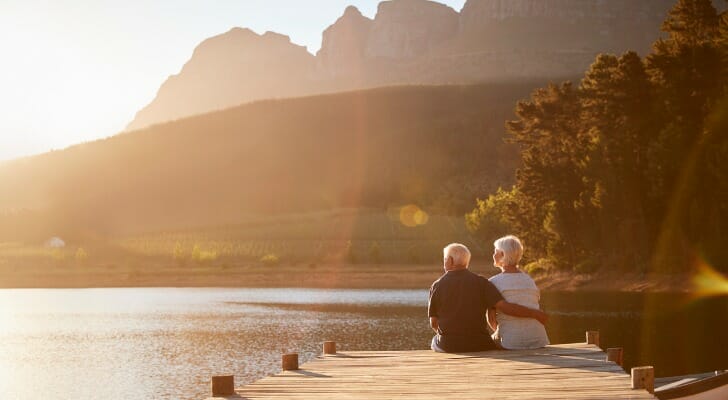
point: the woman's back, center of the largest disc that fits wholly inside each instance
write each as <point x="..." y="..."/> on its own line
<point x="513" y="332"/>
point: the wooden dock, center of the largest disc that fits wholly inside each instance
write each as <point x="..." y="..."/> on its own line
<point x="565" y="371"/>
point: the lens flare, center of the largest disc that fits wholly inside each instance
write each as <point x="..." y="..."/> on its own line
<point x="412" y="216"/>
<point x="709" y="282"/>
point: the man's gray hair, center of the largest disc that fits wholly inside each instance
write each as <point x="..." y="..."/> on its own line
<point x="459" y="253"/>
<point x="512" y="249"/>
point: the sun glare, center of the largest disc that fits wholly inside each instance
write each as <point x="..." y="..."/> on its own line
<point x="708" y="282"/>
<point x="412" y="216"/>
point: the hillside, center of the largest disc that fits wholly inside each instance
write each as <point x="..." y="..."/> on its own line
<point x="408" y="42"/>
<point x="436" y="146"/>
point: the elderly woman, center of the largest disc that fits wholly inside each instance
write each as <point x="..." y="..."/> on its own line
<point x="518" y="288"/>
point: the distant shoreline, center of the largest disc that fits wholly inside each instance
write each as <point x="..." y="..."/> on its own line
<point x="344" y="276"/>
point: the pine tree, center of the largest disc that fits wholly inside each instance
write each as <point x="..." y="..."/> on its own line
<point x="616" y="97"/>
<point x="692" y="23"/>
<point x="548" y="134"/>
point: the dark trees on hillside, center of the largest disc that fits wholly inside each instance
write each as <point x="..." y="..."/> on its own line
<point x="628" y="168"/>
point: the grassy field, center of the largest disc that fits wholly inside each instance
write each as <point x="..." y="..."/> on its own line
<point x="350" y="236"/>
<point x="372" y="248"/>
<point x="335" y="249"/>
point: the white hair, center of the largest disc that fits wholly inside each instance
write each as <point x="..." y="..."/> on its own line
<point x="459" y="253"/>
<point x="512" y="249"/>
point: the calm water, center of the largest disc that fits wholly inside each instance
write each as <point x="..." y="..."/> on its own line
<point x="166" y="343"/>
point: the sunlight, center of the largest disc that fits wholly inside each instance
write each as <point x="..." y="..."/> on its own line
<point x="709" y="282"/>
<point x="412" y="216"/>
<point x="75" y="101"/>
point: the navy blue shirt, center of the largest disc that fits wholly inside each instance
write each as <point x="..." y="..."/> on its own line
<point x="459" y="300"/>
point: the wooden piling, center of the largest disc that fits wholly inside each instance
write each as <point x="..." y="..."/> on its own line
<point x="592" y="337"/>
<point x="222" y="385"/>
<point x="615" y="354"/>
<point x="289" y="361"/>
<point x="329" y="347"/>
<point x="643" y="378"/>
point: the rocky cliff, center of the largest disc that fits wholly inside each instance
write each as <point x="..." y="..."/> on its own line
<point x="232" y="68"/>
<point x="589" y="25"/>
<point x="406" y="29"/>
<point x="410" y="42"/>
<point x="344" y="45"/>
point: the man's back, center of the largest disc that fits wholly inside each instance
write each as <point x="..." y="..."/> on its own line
<point x="459" y="300"/>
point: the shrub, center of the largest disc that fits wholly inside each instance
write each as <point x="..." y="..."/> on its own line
<point x="586" y="266"/>
<point x="178" y="254"/>
<point x="270" y="259"/>
<point x="81" y="255"/>
<point x="202" y="256"/>
<point x="488" y="220"/>
<point x="540" y="266"/>
<point x="58" y="255"/>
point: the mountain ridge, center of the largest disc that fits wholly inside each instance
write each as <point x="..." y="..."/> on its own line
<point x="412" y="42"/>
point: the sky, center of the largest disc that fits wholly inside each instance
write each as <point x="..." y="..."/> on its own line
<point x="77" y="70"/>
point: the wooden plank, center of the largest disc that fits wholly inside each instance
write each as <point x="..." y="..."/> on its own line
<point x="577" y="371"/>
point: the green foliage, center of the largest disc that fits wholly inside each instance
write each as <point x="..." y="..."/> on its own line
<point x="270" y="260"/>
<point x="320" y="237"/>
<point x="723" y="43"/>
<point x="178" y="254"/>
<point x="81" y="255"/>
<point x="611" y="168"/>
<point x="490" y="219"/>
<point x="196" y="253"/>
<point x="539" y="267"/>
<point x="203" y="256"/>
<point x="58" y="255"/>
<point x="691" y="23"/>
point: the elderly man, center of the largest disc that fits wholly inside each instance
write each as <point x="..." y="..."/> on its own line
<point x="458" y="303"/>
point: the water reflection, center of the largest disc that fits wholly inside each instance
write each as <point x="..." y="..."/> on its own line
<point x="166" y="343"/>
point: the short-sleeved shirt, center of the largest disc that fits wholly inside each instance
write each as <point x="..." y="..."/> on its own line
<point x="459" y="300"/>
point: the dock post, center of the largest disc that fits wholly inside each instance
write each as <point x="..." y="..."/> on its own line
<point x="643" y="378"/>
<point x="615" y="354"/>
<point x="592" y="337"/>
<point x="222" y="385"/>
<point x="329" y="347"/>
<point x="290" y="361"/>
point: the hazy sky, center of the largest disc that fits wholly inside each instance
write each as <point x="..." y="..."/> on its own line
<point x="77" y="70"/>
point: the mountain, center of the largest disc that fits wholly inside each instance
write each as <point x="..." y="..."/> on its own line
<point x="409" y="42"/>
<point x="228" y="69"/>
<point x="436" y="146"/>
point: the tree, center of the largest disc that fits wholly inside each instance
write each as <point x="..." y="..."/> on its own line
<point x="632" y="161"/>
<point x="617" y="99"/>
<point x="550" y="138"/>
<point x="691" y="23"/>
<point x="687" y="72"/>
<point x="723" y="45"/>
<point x="81" y="255"/>
<point x="178" y="254"/>
<point x="491" y="218"/>
<point x="375" y="254"/>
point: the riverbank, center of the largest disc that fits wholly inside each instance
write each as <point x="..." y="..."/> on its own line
<point x="340" y="276"/>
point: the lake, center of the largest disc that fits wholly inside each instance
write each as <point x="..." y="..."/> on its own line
<point x="165" y="343"/>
